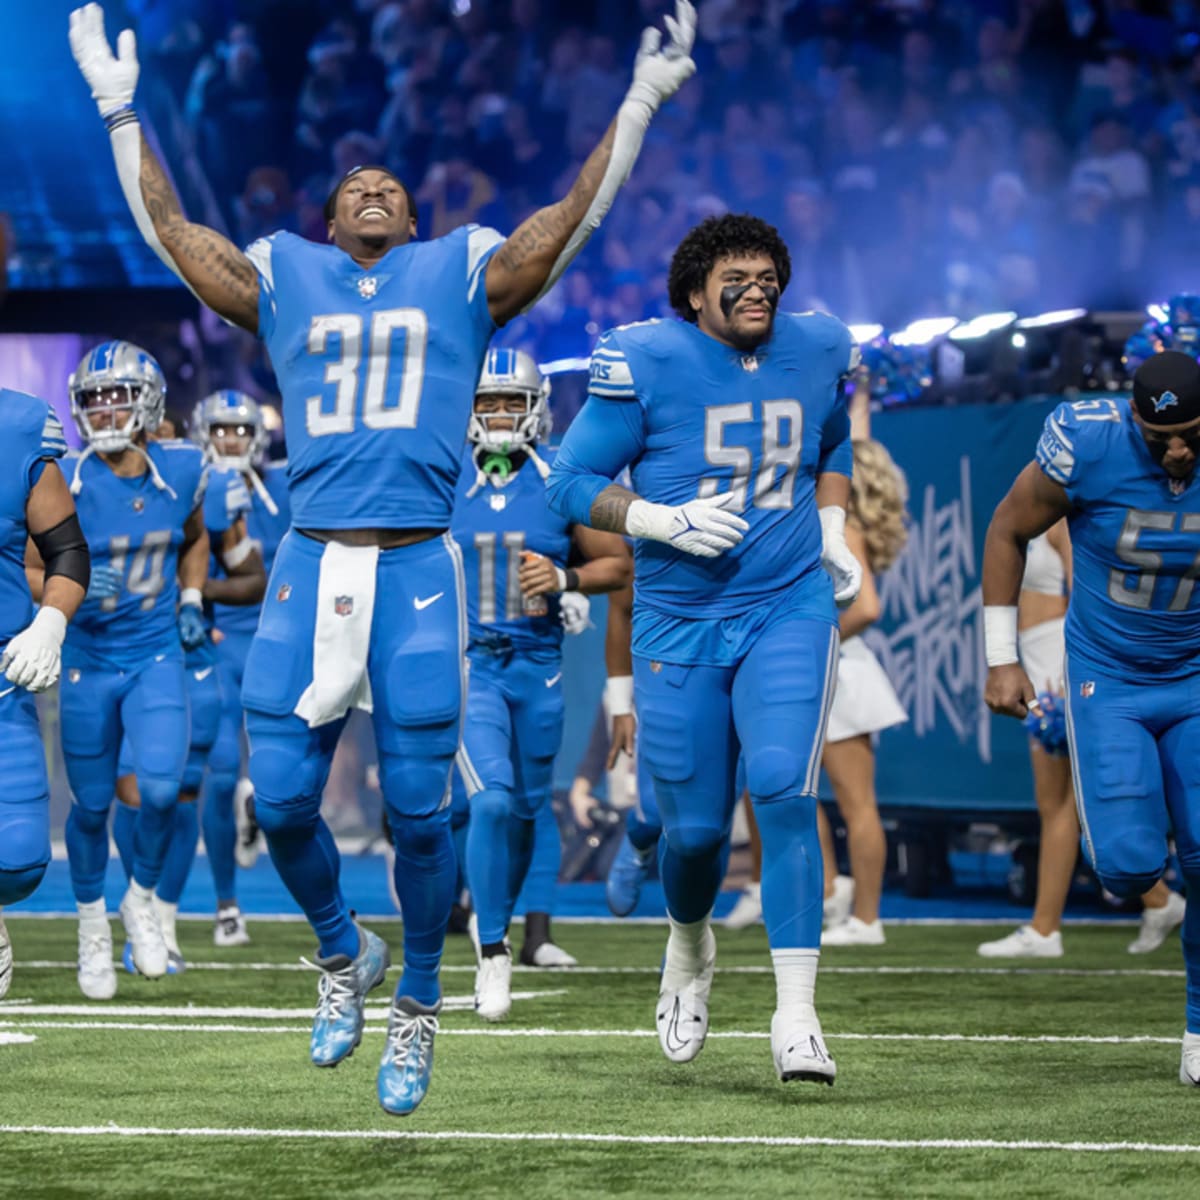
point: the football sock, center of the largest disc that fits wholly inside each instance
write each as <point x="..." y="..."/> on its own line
<point x="220" y="831"/>
<point x="793" y="882"/>
<point x="181" y="851"/>
<point x="684" y="956"/>
<point x="489" y="862"/>
<point x="153" y="828"/>
<point x="795" y="980"/>
<point x="425" y="876"/>
<point x="124" y="821"/>
<point x="1190" y="938"/>
<point x="87" y="850"/>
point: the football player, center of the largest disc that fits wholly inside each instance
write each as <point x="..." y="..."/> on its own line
<point x="734" y="424"/>
<point x="1122" y="472"/>
<point x="230" y="426"/>
<point x="141" y="508"/>
<point x="377" y="340"/>
<point x="34" y="505"/>
<point x="521" y="594"/>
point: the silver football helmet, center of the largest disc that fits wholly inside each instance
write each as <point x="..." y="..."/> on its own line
<point x="241" y="419"/>
<point x="116" y="378"/>
<point x="511" y="372"/>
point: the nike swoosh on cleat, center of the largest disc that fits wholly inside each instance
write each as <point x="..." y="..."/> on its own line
<point x="420" y="602"/>
<point x="553" y="680"/>
<point x="673" y="1031"/>
<point x="200" y="676"/>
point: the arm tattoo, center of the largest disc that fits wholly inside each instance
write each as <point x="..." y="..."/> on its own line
<point x="610" y="508"/>
<point x="220" y="274"/>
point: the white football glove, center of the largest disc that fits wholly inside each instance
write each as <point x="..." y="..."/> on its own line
<point x="702" y="527"/>
<point x="837" y="558"/>
<point x="659" y="73"/>
<point x="112" y="79"/>
<point x="33" y="659"/>
<point x="574" y="608"/>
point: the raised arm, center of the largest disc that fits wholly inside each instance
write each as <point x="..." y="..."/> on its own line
<point x="219" y="274"/>
<point x="531" y="261"/>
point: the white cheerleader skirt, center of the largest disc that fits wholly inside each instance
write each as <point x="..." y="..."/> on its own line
<point x="865" y="701"/>
<point x="1042" y="652"/>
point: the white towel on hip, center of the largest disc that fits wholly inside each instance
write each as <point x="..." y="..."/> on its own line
<point x="342" y="637"/>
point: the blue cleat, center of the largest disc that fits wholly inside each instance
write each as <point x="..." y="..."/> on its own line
<point x="407" y="1063"/>
<point x="127" y="957"/>
<point x="338" y="1024"/>
<point x="628" y="872"/>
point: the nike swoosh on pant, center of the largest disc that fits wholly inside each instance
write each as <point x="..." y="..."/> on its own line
<point x="553" y="680"/>
<point x="421" y="602"/>
<point x="200" y="676"/>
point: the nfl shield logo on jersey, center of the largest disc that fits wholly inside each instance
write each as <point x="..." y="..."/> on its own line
<point x="285" y="590"/>
<point x="498" y="500"/>
<point x="343" y="605"/>
<point x="1087" y="688"/>
<point x="368" y="285"/>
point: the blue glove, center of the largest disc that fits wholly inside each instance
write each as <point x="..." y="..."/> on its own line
<point x="1050" y="729"/>
<point x="104" y="584"/>
<point x="191" y="627"/>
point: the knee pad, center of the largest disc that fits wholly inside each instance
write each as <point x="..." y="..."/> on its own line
<point x="18" y="884"/>
<point x="282" y="772"/>
<point x="1131" y="861"/>
<point x="418" y="835"/>
<point x="415" y="787"/>
<point x="695" y="841"/>
<point x="158" y="793"/>
<point x="491" y="804"/>
<point x="89" y="820"/>
<point x="24" y="837"/>
<point x="775" y="773"/>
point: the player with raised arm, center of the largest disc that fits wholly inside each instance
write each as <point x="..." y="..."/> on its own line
<point x="35" y="505"/>
<point x="734" y="424"/>
<point x="521" y="597"/>
<point x="230" y="426"/>
<point x="1122" y="472"/>
<point x="377" y="341"/>
<point x="141" y="508"/>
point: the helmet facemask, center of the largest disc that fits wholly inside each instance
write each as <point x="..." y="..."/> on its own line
<point x="505" y="431"/>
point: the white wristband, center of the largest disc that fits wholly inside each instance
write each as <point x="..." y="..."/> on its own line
<point x="618" y="695"/>
<point x="236" y="555"/>
<point x="52" y="620"/>
<point x="1000" y="634"/>
<point x="562" y="578"/>
<point x="191" y="596"/>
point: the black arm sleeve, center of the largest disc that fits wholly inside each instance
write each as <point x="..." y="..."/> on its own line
<point x="64" y="550"/>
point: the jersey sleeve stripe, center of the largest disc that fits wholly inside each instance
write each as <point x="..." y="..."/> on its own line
<point x="479" y="241"/>
<point x="54" y="440"/>
<point x="259" y="253"/>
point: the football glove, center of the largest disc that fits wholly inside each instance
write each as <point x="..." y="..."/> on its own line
<point x="837" y="558"/>
<point x="33" y="659"/>
<point x="104" y="584"/>
<point x="112" y="78"/>
<point x="191" y="626"/>
<point x="574" y="608"/>
<point x="702" y="527"/>
<point x="658" y="72"/>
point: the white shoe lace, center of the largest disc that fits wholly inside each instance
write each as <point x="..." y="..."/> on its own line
<point x="404" y="1031"/>
<point x="334" y="991"/>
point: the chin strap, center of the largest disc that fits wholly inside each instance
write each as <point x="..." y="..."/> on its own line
<point x="260" y="490"/>
<point x="156" y="478"/>
<point x="498" y="469"/>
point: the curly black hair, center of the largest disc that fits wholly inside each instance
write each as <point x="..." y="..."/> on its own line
<point x="714" y="239"/>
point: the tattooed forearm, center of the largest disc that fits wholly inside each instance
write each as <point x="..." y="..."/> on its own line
<point x="610" y="508"/>
<point x="216" y="270"/>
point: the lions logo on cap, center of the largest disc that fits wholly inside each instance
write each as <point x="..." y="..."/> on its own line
<point x="1167" y="400"/>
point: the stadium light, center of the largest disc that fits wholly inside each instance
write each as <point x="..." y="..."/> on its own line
<point x="1059" y="316"/>
<point x="1018" y="341"/>
<point x="560" y="366"/>
<point x="1158" y="312"/>
<point x="865" y="333"/>
<point x="924" y="331"/>
<point x="981" y="326"/>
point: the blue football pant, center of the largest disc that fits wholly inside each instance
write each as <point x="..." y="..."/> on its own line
<point x="1135" y="754"/>
<point x="415" y="666"/>
<point x="25" y="800"/>
<point x="772" y="708"/>
<point x="97" y="707"/>
<point x="224" y="766"/>
<point x="512" y="734"/>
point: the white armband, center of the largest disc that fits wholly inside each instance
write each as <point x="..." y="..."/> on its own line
<point x="618" y="695"/>
<point x="1000" y="634"/>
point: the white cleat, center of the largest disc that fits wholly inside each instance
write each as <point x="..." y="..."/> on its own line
<point x="748" y="908"/>
<point x="799" y="1050"/>
<point x="853" y="932"/>
<point x="97" y="975"/>
<point x="230" y="927"/>
<point x="839" y="905"/>
<point x="1157" y="923"/>
<point x="6" y="960"/>
<point x="549" y="954"/>
<point x="1025" y="942"/>
<point x="1189" y="1065"/>
<point x="246" y="848"/>
<point x="681" y="1014"/>
<point x="493" y="987"/>
<point x="140" y="918"/>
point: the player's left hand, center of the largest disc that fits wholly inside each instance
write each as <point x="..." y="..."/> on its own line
<point x="537" y="575"/>
<point x="624" y="733"/>
<point x="1009" y="692"/>
<point x="837" y="558"/>
<point x="191" y="626"/>
<point x="112" y="78"/>
<point x="574" y="608"/>
<point x="33" y="659"/>
<point x="660" y="71"/>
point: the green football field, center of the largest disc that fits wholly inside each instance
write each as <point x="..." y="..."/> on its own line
<point x="956" y="1077"/>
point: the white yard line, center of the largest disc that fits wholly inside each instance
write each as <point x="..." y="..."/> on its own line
<point x="599" y="1139"/>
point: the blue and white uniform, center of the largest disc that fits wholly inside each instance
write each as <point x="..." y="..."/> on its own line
<point x="1132" y="654"/>
<point x="515" y="701"/>
<point x="33" y="436"/>
<point x="123" y="668"/>
<point x="377" y="370"/>
<point x="735" y="654"/>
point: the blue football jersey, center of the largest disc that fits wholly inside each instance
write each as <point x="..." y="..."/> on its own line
<point x="136" y="528"/>
<point x="377" y="370"/>
<point x="702" y="418"/>
<point x="32" y="434"/>
<point x="492" y="528"/>
<point x="1135" y="542"/>
<point x="266" y="530"/>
